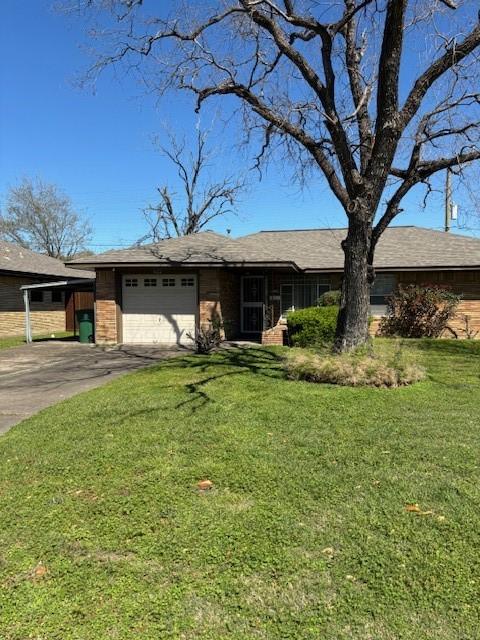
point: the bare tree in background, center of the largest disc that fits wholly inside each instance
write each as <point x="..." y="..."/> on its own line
<point x="40" y="217"/>
<point x="322" y="81"/>
<point x="203" y="198"/>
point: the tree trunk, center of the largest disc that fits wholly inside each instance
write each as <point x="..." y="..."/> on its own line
<point x="352" y="324"/>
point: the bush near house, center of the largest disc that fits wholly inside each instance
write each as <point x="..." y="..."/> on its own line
<point x="330" y="299"/>
<point x="313" y="326"/>
<point x="418" y="311"/>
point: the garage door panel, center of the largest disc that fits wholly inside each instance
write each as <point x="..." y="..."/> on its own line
<point x="154" y="313"/>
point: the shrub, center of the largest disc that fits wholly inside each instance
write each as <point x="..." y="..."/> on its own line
<point x="352" y="370"/>
<point x="208" y="338"/>
<point x="313" y="326"/>
<point x="418" y="311"/>
<point x="330" y="299"/>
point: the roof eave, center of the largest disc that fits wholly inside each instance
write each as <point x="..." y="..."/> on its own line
<point x="264" y="264"/>
<point x="188" y="265"/>
<point x="37" y="275"/>
<point x="73" y="282"/>
<point x="474" y="267"/>
<point x="471" y="267"/>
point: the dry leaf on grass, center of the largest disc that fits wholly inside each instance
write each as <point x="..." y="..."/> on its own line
<point x="38" y="572"/>
<point x="204" y="485"/>
<point x="413" y="508"/>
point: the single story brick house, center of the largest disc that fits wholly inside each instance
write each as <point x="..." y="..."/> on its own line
<point x="50" y="309"/>
<point x="160" y="293"/>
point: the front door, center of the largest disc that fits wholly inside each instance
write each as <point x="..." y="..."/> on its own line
<point x="253" y="304"/>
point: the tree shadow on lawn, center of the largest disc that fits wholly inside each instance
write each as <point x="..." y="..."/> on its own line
<point x="229" y="362"/>
<point x="446" y="347"/>
<point x="452" y="361"/>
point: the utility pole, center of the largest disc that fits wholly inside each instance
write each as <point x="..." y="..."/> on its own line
<point x="448" y="201"/>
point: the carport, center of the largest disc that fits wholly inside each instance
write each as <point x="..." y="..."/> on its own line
<point x="73" y="285"/>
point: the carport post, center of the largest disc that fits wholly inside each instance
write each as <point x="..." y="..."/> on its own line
<point x="28" y="326"/>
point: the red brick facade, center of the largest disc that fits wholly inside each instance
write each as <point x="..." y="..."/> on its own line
<point x="274" y="336"/>
<point x="219" y="297"/>
<point x="106" y="294"/>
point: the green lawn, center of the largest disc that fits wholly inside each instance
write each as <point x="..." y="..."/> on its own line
<point x="104" y="534"/>
<point x="16" y="341"/>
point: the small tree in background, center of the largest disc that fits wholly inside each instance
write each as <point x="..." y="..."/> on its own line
<point x="203" y="198"/>
<point x="419" y="311"/>
<point x="40" y="217"/>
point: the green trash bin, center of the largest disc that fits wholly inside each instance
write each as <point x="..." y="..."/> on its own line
<point x="85" y="325"/>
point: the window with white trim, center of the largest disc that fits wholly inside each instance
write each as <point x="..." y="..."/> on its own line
<point x="187" y="282"/>
<point x="149" y="282"/>
<point x="131" y="282"/>
<point x="168" y="282"/>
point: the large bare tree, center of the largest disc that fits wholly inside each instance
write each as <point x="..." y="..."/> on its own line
<point x="39" y="216"/>
<point x="203" y="198"/>
<point x="379" y="95"/>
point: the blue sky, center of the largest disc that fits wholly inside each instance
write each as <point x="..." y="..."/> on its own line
<point x="98" y="146"/>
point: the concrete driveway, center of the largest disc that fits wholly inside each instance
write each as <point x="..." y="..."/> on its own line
<point x="38" y="375"/>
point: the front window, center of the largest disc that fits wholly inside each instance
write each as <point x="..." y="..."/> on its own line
<point x="299" y="295"/>
<point x="383" y="286"/>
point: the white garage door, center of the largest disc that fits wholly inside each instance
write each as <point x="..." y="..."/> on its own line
<point x="159" y="308"/>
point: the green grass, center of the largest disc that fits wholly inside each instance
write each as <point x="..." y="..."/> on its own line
<point x="104" y="534"/>
<point x="16" y="341"/>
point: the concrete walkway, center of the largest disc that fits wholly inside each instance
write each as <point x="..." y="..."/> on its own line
<point x="38" y="375"/>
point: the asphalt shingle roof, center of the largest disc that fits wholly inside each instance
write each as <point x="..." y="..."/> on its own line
<point x="19" y="260"/>
<point x="200" y="248"/>
<point x="311" y="249"/>
<point x="399" y="247"/>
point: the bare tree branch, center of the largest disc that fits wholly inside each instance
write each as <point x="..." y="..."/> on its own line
<point x="321" y="83"/>
<point x="203" y="200"/>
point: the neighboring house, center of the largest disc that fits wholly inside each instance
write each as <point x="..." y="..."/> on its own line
<point x="51" y="309"/>
<point x="161" y="293"/>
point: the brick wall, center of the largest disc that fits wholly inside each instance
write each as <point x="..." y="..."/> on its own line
<point x="274" y="336"/>
<point x="46" y="316"/>
<point x="219" y="297"/>
<point x="106" y="325"/>
<point x="230" y="303"/>
<point x="470" y="310"/>
<point x="208" y="296"/>
<point x="464" y="283"/>
<point x="12" y="323"/>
